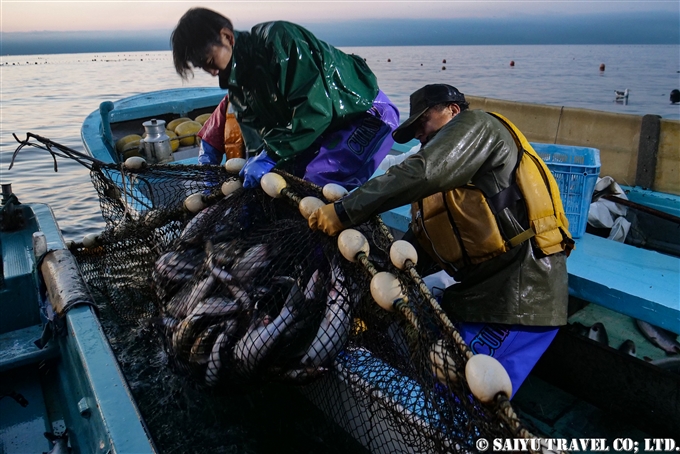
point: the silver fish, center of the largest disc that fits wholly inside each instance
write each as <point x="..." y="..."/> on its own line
<point x="628" y="347"/>
<point x="260" y="339"/>
<point x="662" y="338"/>
<point x="301" y="376"/>
<point x="251" y="262"/>
<point x="196" y="226"/>
<point x="334" y="329"/>
<point x="216" y="306"/>
<point x="312" y="287"/>
<point x="175" y="263"/>
<point x="215" y="360"/>
<point x="598" y="333"/>
<point x="221" y="274"/>
<point x="202" y="346"/>
<point x="671" y="363"/>
<point x="224" y="254"/>
<point x="241" y="296"/>
<point x="184" y="302"/>
<point x="60" y="443"/>
<point x="172" y="270"/>
<point x="185" y="333"/>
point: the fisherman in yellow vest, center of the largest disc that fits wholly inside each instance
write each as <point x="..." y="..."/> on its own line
<point x="487" y="210"/>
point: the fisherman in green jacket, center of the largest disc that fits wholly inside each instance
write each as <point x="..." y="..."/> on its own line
<point x="316" y="111"/>
<point x="487" y="209"/>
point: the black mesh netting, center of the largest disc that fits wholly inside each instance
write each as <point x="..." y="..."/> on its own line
<point x="243" y="292"/>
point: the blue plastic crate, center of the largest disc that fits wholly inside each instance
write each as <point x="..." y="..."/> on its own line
<point x="576" y="170"/>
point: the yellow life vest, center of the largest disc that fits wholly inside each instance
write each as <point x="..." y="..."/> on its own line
<point x="460" y="227"/>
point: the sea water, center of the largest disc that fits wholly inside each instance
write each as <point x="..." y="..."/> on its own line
<point x="51" y="95"/>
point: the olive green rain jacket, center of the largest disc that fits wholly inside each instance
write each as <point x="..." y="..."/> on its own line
<point x="290" y="86"/>
<point x="521" y="286"/>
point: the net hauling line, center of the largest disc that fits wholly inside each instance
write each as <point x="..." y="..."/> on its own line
<point x="485" y="377"/>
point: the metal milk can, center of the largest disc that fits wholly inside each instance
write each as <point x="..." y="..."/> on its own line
<point x="156" y="142"/>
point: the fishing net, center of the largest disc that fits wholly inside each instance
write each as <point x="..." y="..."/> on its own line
<point x="241" y="291"/>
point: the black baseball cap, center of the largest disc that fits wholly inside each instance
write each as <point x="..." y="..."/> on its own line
<point x="420" y="101"/>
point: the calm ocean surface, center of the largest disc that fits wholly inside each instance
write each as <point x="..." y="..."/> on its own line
<point x="51" y="95"/>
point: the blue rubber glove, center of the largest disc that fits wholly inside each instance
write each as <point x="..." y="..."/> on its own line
<point x="255" y="168"/>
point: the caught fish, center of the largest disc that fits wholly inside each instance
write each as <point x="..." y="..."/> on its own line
<point x="60" y="443"/>
<point x="183" y="303"/>
<point x="216" y="306"/>
<point x="203" y="345"/>
<point x="250" y="263"/>
<point x="175" y="265"/>
<point x="174" y="269"/>
<point x="185" y="333"/>
<point x="223" y="254"/>
<point x="312" y="288"/>
<point x="301" y="376"/>
<point x="335" y="326"/>
<point x="598" y="333"/>
<point x="202" y="315"/>
<point x="200" y="350"/>
<point x="672" y="364"/>
<point x="196" y="227"/>
<point x="215" y="360"/>
<point x="259" y="341"/>
<point x="662" y="338"/>
<point x="628" y="347"/>
<point x="241" y="296"/>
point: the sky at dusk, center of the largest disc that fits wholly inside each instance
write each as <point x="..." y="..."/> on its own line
<point x="47" y="26"/>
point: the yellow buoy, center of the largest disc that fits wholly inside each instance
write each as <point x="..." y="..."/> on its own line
<point x="174" y="141"/>
<point x="188" y="128"/>
<point x="202" y="118"/>
<point x="133" y="151"/>
<point x="176" y="122"/>
<point x="128" y="142"/>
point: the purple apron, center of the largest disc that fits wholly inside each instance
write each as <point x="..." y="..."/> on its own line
<point x="350" y="155"/>
<point x="518" y="348"/>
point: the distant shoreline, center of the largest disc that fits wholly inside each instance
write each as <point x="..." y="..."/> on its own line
<point x="594" y="29"/>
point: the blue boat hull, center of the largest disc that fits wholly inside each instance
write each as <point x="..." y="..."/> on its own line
<point x="61" y="376"/>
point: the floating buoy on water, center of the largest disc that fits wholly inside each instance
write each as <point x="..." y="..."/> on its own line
<point x="512" y="62"/>
<point x="444" y="61"/>
<point x="675" y="96"/>
<point x="443" y="68"/>
<point x="389" y="60"/>
<point x="601" y="66"/>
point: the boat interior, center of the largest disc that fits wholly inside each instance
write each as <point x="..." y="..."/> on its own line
<point x="49" y="379"/>
<point x="582" y="387"/>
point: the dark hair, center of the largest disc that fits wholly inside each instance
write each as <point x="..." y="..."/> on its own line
<point x="196" y="32"/>
<point x="441" y="106"/>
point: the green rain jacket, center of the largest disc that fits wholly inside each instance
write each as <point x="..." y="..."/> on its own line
<point x="521" y="286"/>
<point x="290" y="87"/>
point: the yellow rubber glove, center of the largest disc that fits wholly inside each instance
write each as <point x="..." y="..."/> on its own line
<point x="326" y="220"/>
